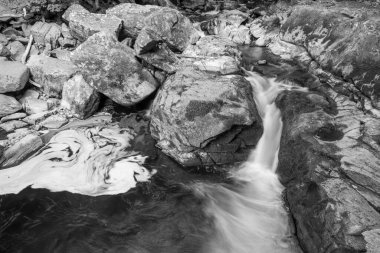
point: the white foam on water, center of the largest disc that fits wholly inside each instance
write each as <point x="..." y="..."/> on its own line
<point x="90" y="161"/>
<point x="250" y="216"/>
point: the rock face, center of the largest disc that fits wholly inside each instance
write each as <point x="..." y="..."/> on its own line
<point x="50" y="73"/>
<point x="21" y="150"/>
<point x="112" y="69"/>
<point x="133" y="16"/>
<point x="13" y="76"/>
<point x="165" y="25"/>
<point x="8" y="105"/>
<point x="83" y="25"/>
<point x="196" y="116"/>
<point x="329" y="160"/>
<point x="343" y="39"/>
<point x="79" y="97"/>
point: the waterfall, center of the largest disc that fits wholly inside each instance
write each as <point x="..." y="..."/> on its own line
<point x="249" y="216"/>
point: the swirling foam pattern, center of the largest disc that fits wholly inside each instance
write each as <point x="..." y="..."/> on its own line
<point x="90" y="161"/>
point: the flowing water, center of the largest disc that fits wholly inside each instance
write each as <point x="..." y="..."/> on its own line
<point x="103" y="197"/>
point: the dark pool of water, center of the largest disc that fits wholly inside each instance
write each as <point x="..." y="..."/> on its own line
<point x="161" y="216"/>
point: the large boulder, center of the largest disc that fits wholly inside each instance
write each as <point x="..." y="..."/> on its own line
<point x="8" y="105"/>
<point x="13" y="76"/>
<point x="79" y="97"/>
<point x="50" y="73"/>
<point x="168" y="26"/>
<point x="112" y="69"/>
<point x="196" y="117"/>
<point x="329" y="162"/>
<point x="133" y="16"/>
<point x="83" y="25"/>
<point x="343" y="38"/>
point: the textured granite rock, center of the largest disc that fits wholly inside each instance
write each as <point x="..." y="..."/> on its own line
<point x="133" y="16"/>
<point x="8" y="105"/>
<point x="83" y="25"/>
<point x="343" y="38"/>
<point x="112" y="69"/>
<point x="165" y="26"/>
<point x="13" y="76"/>
<point x="79" y="97"/>
<point x="196" y="117"/>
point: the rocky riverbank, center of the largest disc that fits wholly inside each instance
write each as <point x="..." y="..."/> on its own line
<point x="63" y="62"/>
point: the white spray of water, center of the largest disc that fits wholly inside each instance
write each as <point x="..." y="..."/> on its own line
<point x="90" y="161"/>
<point x="250" y="217"/>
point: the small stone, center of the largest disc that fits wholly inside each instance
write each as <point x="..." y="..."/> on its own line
<point x="33" y="106"/>
<point x="8" y="105"/>
<point x="18" y="134"/>
<point x="46" y="33"/>
<point x="29" y="93"/>
<point x="4" y="51"/>
<point x="83" y="25"/>
<point x="79" y="97"/>
<point x="19" y="115"/>
<point x="53" y="103"/>
<point x="50" y="73"/>
<point x="74" y="8"/>
<point x="261" y="42"/>
<point x="262" y="62"/>
<point x="38" y="117"/>
<point x="61" y="54"/>
<point x="65" y="42"/>
<point x="21" y="150"/>
<point x="13" y="76"/>
<point x="66" y="32"/>
<point x="10" y="126"/>
<point x="17" y="50"/>
<point x="54" y="121"/>
<point x="224" y="65"/>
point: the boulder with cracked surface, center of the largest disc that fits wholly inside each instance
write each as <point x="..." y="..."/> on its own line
<point x="112" y="69"/>
<point x="165" y="26"/>
<point x="83" y="25"/>
<point x="197" y="118"/>
<point x="79" y="97"/>
<point x="133" y="16"/>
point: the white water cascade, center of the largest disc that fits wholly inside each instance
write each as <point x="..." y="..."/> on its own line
<point x="250" y="216"/>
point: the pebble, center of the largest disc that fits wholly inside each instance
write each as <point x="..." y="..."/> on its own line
<point x="19" y="115"/>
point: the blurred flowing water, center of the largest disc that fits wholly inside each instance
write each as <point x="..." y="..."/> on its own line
<point x="89" y="191"/>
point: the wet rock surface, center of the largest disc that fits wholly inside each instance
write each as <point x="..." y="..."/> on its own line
<point x="112" y="69"/>
<point x="193" y="113"/>
<point x="203" y="115"/>
<point x="342" y="38"/>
